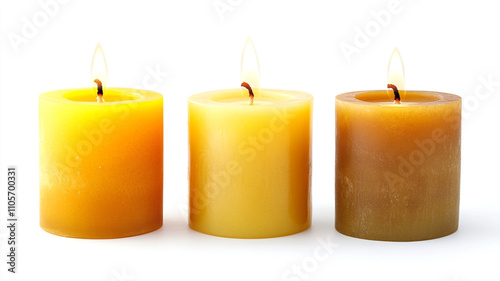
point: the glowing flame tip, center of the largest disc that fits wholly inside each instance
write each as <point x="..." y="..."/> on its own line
<point x="250" y="72"/>
<point x="99" y="69"/>
<point x="396" y="74"/>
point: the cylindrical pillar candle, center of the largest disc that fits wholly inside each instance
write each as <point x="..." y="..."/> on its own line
<point x="250" y="165"/>
<point x="397" y="165"/>
<point x="101" y="164"/>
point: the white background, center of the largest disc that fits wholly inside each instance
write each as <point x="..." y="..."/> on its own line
<point x="446" y="46"/>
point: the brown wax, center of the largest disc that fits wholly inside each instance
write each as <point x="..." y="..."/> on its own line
<point x="397" y="165"/>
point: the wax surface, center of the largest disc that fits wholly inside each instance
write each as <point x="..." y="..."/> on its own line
<point x="250" y="165"/>
<point x="397" y="166"/>
<point x="101" y="164"/>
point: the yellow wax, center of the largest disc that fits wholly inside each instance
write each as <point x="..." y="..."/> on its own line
<point x="101" y="164"/>
<point x="397" y="165"/>
<point x="250" y="165"/>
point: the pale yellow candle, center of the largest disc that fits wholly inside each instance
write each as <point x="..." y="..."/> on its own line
<point x="397" y="165"/>
<point x="250" y="165"/>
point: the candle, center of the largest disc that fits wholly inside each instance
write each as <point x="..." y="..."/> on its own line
<point x="101" y="161"/>
<point x="397" y="164"/>
<point x="250" y="160"/>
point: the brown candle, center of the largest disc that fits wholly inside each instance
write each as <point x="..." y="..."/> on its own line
<point x="397" y="165"/>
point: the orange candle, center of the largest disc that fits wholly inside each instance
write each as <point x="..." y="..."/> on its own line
<point x="101" y="162"/>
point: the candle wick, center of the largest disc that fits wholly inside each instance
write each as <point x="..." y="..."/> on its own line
<point x="397" y="98"/>
<point x="250" y="92"/>
<point x="100" y="93"/>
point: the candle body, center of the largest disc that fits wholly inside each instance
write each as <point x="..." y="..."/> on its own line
<point x="101" y="164"/>
<point x="250" y="166"/>
<point x="397" y="166"/>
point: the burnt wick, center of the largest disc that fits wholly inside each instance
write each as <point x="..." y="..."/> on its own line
<point x="99" y="90"/>
<point x="397" y="98"/>
<point x="250" y="92"/>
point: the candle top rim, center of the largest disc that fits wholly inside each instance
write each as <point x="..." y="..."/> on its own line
<point x="113" y="95"/>
<point x="412" y="98"/>
<point x="237" y="97"/>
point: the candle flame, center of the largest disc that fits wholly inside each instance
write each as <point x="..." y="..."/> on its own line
<point x="99" y="71"/>
<point x="396" y="74"/>
<point x="250" y="72"/>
